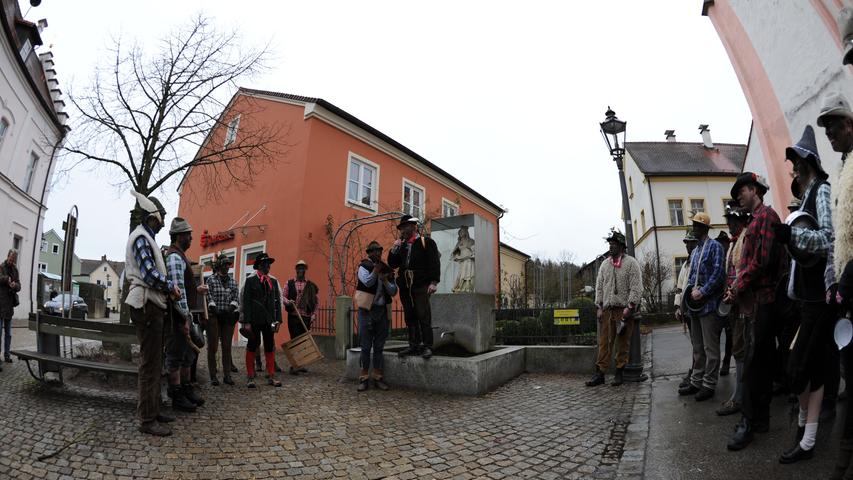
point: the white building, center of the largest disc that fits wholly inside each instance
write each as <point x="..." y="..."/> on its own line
<point x="787" y="56"/>
<point x="31" y="129"/>
<point x="668" y="182"/>
<point x="105" y="273"/>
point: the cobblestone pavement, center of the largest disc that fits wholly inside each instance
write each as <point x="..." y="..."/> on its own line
<point x="316" y="426"/>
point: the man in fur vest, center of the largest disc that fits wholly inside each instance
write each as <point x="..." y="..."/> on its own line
<point x="300" y="300"/>
<point x="146" y="298"/>
<point x="375" y="280"/>
<point x="417" y="259"/>
<point x="618" y="287"/>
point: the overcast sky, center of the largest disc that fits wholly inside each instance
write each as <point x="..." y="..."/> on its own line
<point x="506" y="96"/>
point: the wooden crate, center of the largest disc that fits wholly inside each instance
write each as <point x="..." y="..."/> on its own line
<point x="302" y="351"/>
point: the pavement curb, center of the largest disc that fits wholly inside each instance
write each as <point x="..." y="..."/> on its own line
<point x="632" y="464"/>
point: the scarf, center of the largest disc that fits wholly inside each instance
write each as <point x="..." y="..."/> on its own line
<point x="265" y="280"/>
<point x="617" y="262"/>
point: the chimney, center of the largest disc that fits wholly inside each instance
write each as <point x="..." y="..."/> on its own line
<point x="103" y="258"/>
<point x="706" y="136"/>
<point x="670" y="135"/>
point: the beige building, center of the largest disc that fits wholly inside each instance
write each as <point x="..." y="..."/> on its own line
<point x="513" y="277"/>
<point x="105" y="273"/>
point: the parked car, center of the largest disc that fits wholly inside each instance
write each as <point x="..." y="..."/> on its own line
<point x="66" y="301"/>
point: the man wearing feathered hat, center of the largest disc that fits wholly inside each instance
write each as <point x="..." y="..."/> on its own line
<point x="704" y="288"/>
<point x="417" y="259"/>
<point x="222" y="307"/>
<point x="147" y="295"/>
<point x="301" y="301"/>
<point x="618" y="290"/>
<point x="758" y="274"/>
<point x="807" y="285"/>
<point x="737" y="219"/>
<point x="179" y="355"/>
<point x="261" y="301"/>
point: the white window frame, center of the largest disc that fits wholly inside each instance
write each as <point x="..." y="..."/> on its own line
<point x="374" y="191"/>
<point x="422" y="206"/>
<point x="245" y="251"/>
<point x="42" y="267"/>
<point x="32" y="167"/>
<point x="44" y="245"/>
<point x="231" y="132"/>
<point x="445" y="202"/>
<point x="704" y="204"/>
<point x="669" y="212"/>
<point x="55" y="249"/>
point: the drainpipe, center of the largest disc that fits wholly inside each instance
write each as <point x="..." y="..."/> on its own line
<point x="37" y="240"/>
<point x="657" y="245"/>
<point x="500" y="282"/>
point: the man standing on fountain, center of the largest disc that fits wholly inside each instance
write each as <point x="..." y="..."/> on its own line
<point x="419" y="272"/>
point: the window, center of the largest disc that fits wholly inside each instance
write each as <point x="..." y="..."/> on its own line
<point x="109" y="300"/>
<point x="26" y="49"/>
<point x="448" y="208"/>
<point x="630" y="187"/>
<point x="4" y="126"/>
<point x="679" y="264"/>
<point x="109" y="283"/>
<point x="17" y="241"/>
<point x="97" y="282"/>
<point x="697" y="205"/>
<point x="250" y="252"/>
<point x="635" y="229"/>
<point x="31" y="172"/>
<point x="413" y="199"/>
<point x="55" y="249"/>
<point x="105" y="268"/>
<point x="642" y="221"/>
<point x="44" y="245"/>
<point x="676" y="212"/>
<point x="361" y="186"/>
<point x="42" y="267"/>
<point x="231" y="133"/>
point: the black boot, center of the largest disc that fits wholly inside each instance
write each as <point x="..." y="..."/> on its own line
<point x="796" y="454"/>
<point x="686" y="380"/>
<point x="617" y="378"/>
<point x="742" y="437"/>
<point x="596" y="380"/>
<point x="179" y="399"/>
<point x="189" y="393"/>
<point x="214" y="381"/>
<point x="426" y="352"/>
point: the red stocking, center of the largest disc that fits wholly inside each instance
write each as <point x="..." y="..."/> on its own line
<point x="270" y="360"/>
<point x="250" y="364"/>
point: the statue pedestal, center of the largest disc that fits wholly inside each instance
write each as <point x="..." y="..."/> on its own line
<point x="467" y="319"/>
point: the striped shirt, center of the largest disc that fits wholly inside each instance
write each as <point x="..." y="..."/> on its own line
<point x="144" y="256"/>
<point x="176" y="266"/>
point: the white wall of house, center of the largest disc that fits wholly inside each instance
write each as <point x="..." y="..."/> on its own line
<point x="109" y="278"/>
<point x="30" y="132"/>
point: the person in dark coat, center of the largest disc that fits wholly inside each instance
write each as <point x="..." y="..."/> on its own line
<point x="417" y="259"/>
<point x="300" y="296"/>
<point x="261" y="318"/>
<point x="10" y="285"/>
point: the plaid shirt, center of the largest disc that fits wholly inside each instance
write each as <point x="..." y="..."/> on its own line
<point x="223" y="292"/>
<point x="144" y="256"/>
<point x="175" y="265"/>
<point x="817" y="241"/>
<point x="706" y="271"/>
<point x="758" y="270"/>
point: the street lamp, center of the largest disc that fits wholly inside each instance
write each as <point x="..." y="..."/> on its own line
<point x="613" y="130"/>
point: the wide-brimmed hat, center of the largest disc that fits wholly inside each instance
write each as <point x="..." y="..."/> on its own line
<point x="834" y="105"/>
<point x="749" y="178"/>
<point x="262" y="258"/>
<point x="702" y="218"/>
<point x="616" y="236"/>
<point x="806" y="150"/>
<point x="845" y="27"/>
<point x="301" y="263"/>
<point x="407" y="219"/>
<point x="179" y="225"/>
<point x="374" y="245"/>
<point x="689" y="237"/>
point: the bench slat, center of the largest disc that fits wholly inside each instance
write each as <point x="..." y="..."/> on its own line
<point x="127" y="369"/>
<point x="120" y="328"/>
<point x="90" y="334"/>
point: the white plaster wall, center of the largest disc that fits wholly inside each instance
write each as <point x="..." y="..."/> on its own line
<point x="31" y="130"/>
<point x="802" y="61"/>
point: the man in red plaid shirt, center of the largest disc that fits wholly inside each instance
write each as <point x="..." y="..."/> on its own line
<point x="757" y="277"/>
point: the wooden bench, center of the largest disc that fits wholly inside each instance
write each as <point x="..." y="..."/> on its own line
<point x="47" y="355"/>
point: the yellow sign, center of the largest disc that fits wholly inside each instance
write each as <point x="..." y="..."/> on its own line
<point x="567" y="317"/>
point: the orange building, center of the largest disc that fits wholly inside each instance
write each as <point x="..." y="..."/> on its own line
<point x="333" y="168"/>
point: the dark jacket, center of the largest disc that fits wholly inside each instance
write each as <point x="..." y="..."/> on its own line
<point x="8" y="296"/>
<point x="808" y="281"/>
<point x="418" y="268"/>
<point x="308" y="302"/>
<point x="261" y="306"/>
<point x="387" y="296"/>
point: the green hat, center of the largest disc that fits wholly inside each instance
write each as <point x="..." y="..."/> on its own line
<point x="220" y="260"/>
<point x="616" y="236"/>
<point x="374" y="245"/>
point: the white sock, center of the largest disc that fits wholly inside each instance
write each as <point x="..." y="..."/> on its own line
<point x="801" y="421"/>
<point x="807" y="443"/>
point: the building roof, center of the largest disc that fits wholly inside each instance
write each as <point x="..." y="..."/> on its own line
<point x="88" y="266"/>
<point x="361" y="124"/>
<point x="687" y="158"/>
<point x="519" y="252"/>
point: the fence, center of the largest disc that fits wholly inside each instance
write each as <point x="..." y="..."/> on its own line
<point x="536" y="326"/>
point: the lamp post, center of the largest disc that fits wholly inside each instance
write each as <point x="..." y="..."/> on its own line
<point x="613" y="130"/>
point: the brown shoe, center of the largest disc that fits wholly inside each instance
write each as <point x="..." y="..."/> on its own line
<point x="362" y="384"/>
<point x="380" y="384"/>
<point x="156" y="429"/>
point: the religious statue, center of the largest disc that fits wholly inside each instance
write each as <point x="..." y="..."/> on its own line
<point x="463" y="254"/>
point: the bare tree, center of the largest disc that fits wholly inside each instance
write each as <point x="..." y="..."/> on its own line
<point x="151" y="117"/>
<point x="654" y="277"/>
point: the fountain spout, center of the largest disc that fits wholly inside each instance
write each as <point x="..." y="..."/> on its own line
<point x="450" y="332"/>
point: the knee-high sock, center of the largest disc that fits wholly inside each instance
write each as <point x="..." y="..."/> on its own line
<point x="808" y="441"/>
<point x="250" y="364"/>
<point x="269" y="357"/>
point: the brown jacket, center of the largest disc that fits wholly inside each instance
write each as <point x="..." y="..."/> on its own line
<point x="8" y="295"/>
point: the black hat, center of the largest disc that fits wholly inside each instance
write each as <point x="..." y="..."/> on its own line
<point x="374" y="245"/>
<point x="806" y="149"/>
<point x="407" y="219"/>
<point x="261" y="258"/>
<point x="616" y="236"/>
<point x="723" y="237"/>
<point x="749" y="178"/>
